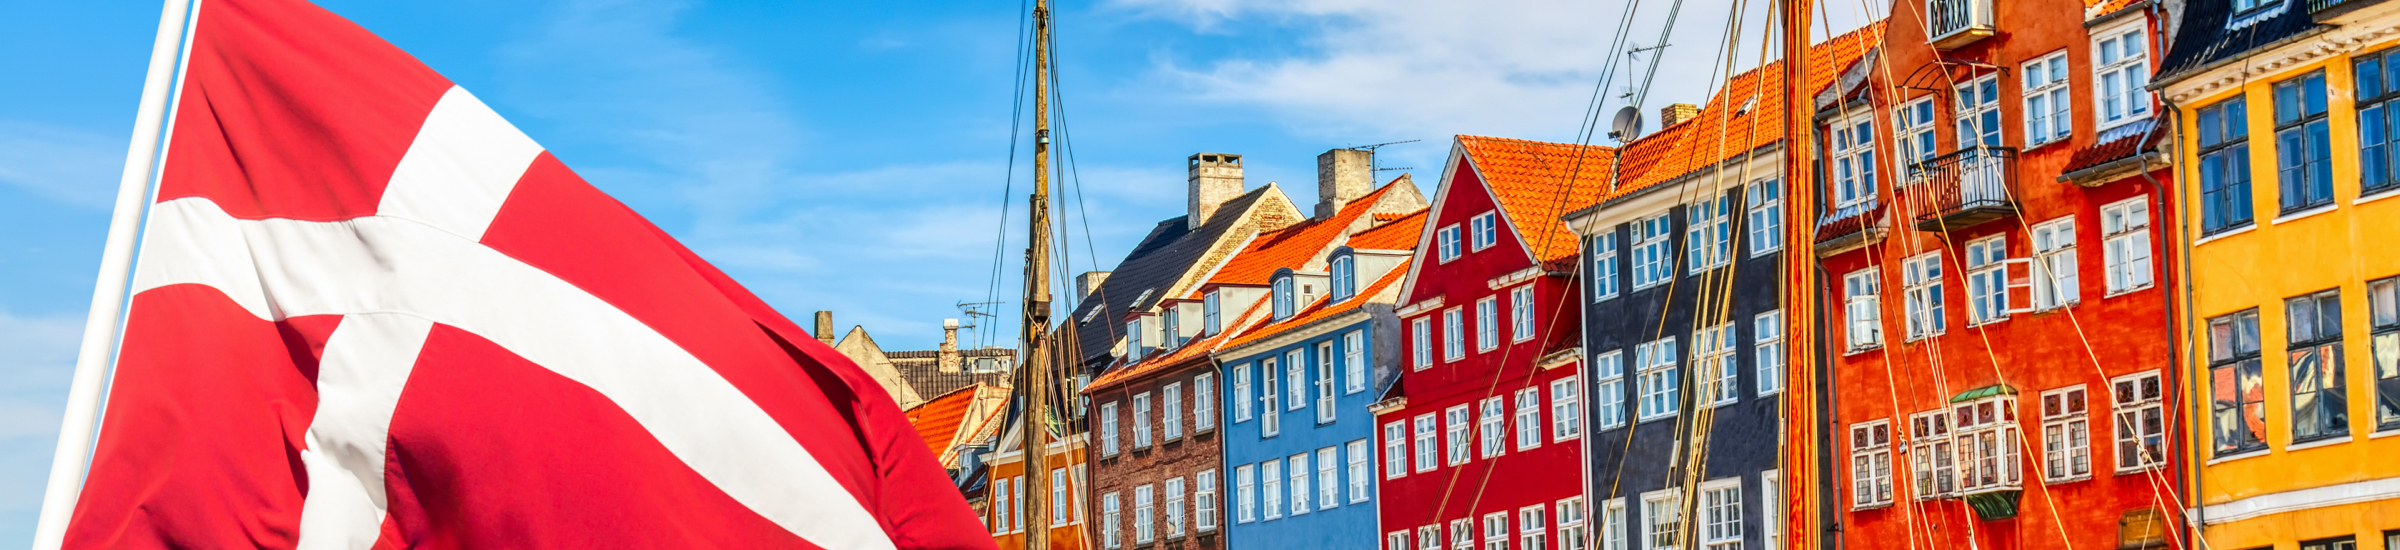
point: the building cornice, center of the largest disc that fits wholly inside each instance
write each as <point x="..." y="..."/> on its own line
<point x="1429" y="304"/>
<point x="2232" y="73"/>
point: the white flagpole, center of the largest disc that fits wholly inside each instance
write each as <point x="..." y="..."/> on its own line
<point x="76" y="433"/>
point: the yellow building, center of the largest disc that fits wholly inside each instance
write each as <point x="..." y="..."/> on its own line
<point x="2290" y="244"/>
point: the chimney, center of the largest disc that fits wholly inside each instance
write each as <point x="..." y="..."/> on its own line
<point x="1675" y="114"/>
<point x="1343" y="175"/>
<point x="1215" y="178"/>
<point x="1089" y="282"/>
<point x="949" y="356"/>
<point x="825" y="327"/>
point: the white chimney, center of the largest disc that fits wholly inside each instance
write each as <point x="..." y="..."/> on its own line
<point x="947" y="359"/>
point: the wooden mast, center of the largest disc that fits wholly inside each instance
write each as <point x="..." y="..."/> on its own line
<point x="1801" y="461"/>
<point x="1035" y="367"/>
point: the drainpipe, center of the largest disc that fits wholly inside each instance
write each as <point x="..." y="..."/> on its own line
<point x="2194" y="370"/>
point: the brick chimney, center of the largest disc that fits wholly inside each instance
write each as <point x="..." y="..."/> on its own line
<point x="948" y="361"/>
<point x="1089" y="282"/>
<point x="1343" y="175"/>
<point x="1215" y="178"/>
<point x="825" y="327"/>
<point x="1675" y="114"/>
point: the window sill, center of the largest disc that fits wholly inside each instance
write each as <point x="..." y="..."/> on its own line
<point x="1862" y="349"/>
<point x="2205" y="239"/>
<point x="2146" y="469"/>
<point x="2315" y="443"/>
<point x="2084" y="477"/>
<point x="2045" y="145"/>
<point x="2116" y="293"/>
<point x="2376" y="195"/>
<point x="2302" y="214"/>
<point x="2387" y="432"/>
<point x="2238" y="456"/>
<point x="1866" y="507"/>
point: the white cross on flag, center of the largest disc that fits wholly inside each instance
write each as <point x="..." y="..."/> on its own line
<point x="369" y="312"/>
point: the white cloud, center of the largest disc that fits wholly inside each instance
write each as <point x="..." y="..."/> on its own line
<point x="68" y="165"/>
<point x="37" y="357"/>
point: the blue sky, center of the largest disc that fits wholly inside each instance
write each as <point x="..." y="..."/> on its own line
<point x="848" y="156"/>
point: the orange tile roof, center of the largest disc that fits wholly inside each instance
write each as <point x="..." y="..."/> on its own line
<point x="1400" y="232"/>
<point x="1197" y="348"/>
<point x="2093" y="9"/>
<point x="1324" y="308"/>
<point x="1291" y="246"/>
<point x="1723" y="129"/>
<point x="939" y="420"/>
<point x="1536" y="182"/>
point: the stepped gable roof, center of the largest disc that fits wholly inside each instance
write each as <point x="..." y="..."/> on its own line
<point x="2211" y="32"/>
<point x="1325" y="307"/>
<point x="1292" y="247"/>
<point x="1401" y="232"/>
<point x="1535" y="182"/>
<point x="1197" y="348"/>
<point x="1744" y="114"/>
<point x="940" y="420"/>
<point x="1162" y="258"/>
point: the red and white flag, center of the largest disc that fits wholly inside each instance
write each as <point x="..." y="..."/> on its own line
<point x="369" y="312"/>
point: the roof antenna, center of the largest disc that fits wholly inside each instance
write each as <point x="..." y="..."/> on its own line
<point x="1372" y="166"/>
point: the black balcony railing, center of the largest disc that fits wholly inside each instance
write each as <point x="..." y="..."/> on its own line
<point x="1950" y="24"/>
<point x="1961" y="189"/>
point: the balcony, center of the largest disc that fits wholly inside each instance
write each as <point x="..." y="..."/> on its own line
<point x="1962" y="189"/>
<point x="1953" y="24"/>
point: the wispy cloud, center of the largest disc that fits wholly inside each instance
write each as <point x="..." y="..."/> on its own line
<point x="37" y="357"/>
<point x="72" y="166"/>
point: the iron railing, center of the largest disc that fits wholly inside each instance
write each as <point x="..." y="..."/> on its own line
<point x="1953" y="23"/>
<point x="1963" y="188"/>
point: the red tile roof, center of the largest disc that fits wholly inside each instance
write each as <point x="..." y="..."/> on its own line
<point x="2122" y="142"/>
<point x="1195" y="349"/>
<point x="940" y="419"/>
<point x="1291" y="246"/>
<point x="1724" y="128"/>
<point x="1324" y="308"/>
<point x="1398" y="233"/>
<point x="1536" y="182"/>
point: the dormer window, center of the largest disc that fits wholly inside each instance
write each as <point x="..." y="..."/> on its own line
<point x="1133" y="339"/>
<point x="1283" y="298"/>
<point x="1209" y="321"/>
<point x="1345" y="277"/>
<point x="1172" y="333"/>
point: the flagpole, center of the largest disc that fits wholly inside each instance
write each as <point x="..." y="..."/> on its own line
<point x="76" y="433"/>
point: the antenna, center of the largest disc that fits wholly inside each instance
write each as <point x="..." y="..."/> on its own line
<point x="1371" y="163"/>
<point x="1627" y="125"/>
<point x="974" y="312"/>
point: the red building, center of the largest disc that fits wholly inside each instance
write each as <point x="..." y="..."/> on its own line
<point x="1997" y="312"/>
<point x="1481" y="438"/>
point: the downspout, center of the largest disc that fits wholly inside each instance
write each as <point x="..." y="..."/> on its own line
<point x="2194" y="373"/>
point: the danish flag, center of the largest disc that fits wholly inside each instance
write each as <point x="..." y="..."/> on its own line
<point x="371" y="313"/>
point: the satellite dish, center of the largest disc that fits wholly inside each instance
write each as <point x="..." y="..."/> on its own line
<point x="1628" y="124"/>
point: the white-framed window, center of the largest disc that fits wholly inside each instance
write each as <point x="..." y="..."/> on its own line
<point x="1016" y="518"/>
<point x="1533" y="527"/>
<point x="1284" y="299"/>
<point x="1520" y="313"/>
<point x="1270" y="478"/>
<point x="1241" y="393"/>
<point x="1295" y="370"/>
<point x="2141" y="420"/>
<point x="1708" y="234"/>
<point x="1354" y="362"/>
<point x="1987" y="280"/>
<point x="1396" y="540"/>
<point x="1767" y="331"/>
<point x="1566" y="409"/>
<point x="1770" y="497"/>
<point x="1133" y="340"/>
<point x="1976" y="105"/>
<point x="1487" y="323"/>
<point x="1662" y="520"/>
<point x="1573" y="531"/>
<point x="1529" y="418"/>
<point x="2121" y="65"/>
<point x="1988" y="440"/>
<point x="1915" y="121"/>
<point x="1000" y="506"/>
<point x="1429" y="537"/>
<point x="1446" y="241"/>
<point x="1058" y="496"/>
<point x="1204" y="402"/>
<point x="1344" y="277"/>
<point x="1420" y="347"/>
<point x="1245" y="494"/>
<point x="2054" y="281"/>
<point x="1714" y="363"/>
<point x="1870" y="464"/>
<point x="1603" y="277"/>
<point x="1110" y="510"/>
<point x="1395" y="449"/>
<point x="1608" y="395"/>
<point x="1080" y="482"/>
<point x="1108" y="429"/>
<point x="1487" y="230"/>
<point x="1862" y="306"/>
<point x="1270" y="411"/>
<point x="1204" y="501"/>
<point x="1170" y="328"/>
<point x="1491" y="420"/>
<point x="1175" y="507"/>
<point x="2066" y="434"/>
<point x="1462" y="534"/>
<point x="1933" y="454"/>
<point x="1325" y="382"/>
<point x="1362" y="470"/>
<point x="1454" y="435"/>
<point x="1299" y="471"/>
<point x="1614" y="525"/>
<point x="1329" y="478"/>
<point x="1853" y="153"/>
<point x="1426" y="431"/>
<point x="2125" y="234"/>
<point x="1170" y="417"/>
<point x="1651" y="264"/>
<point x="1495" y="531"/>
<point x="2048" y="110"/>
<point x="1765" y="202"/>
<point x="1721" y="514"/>
<point x="1921" y="277"/>
<point x="1660" y="386"/>
<point x="1141" y="420"/>
<point x="1211" y="314"/>
<point x="1145" y="515"/>
<point x="1454" y="335"/>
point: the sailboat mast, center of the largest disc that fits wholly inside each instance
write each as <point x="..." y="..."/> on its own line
<point x="1035" y="367"/>
<point x="1802" y="399"/>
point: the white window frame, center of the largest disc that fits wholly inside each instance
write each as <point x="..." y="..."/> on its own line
<point x="1295" y="382"/>
<point x="1852" y="169"/>
<point x="1520" y="313"/>
<point x="1110" y="510"/>
<point x="1270" y="479"/>
<point x="1662" y="520"/>
<point x="1174" y="519"/>
<point x="1915" y="121"/>
<point x="1862" y="308"/>
<point x="2049" y="111"/>
<point x="1446" y="242"/>
<point x="1764" y="201"/>
<point x="1396" y="540"/>
<point x="1211" y="314"/>
<point x="1108" y="429"/>
<point x="1204" y="501"/>
<point x="1767" y="335"/>
<point x="1708" y="234"/>
<point x="1533" y="531"/>
<point x="1270" y="411"/>
<point x="2119" y="77"/>
<point x="1462" y="534"/>
<point x="1574" y="528"/>
<point x="1566" y="409"/>
<point x="1141" y="420"/>
<point x="1145" y="516"/>
<point x="1358" y="457"/>
<point x="1245" y="493"/>
<point x="1721" y="514"/>
<point x="1770" y="497"/>
<point x="1870" y="464"/>
<point x="1603" y="277"/>
<point x="1058" y="496"/>
<point x="1241" y="393"/>
<point x="2055" y="274"/>
<point x="1932" y="455"/>
<point x="1133" y="340"/>
<point x="1283" y="299"/>
<point x="1395" y="449"/>
<point x="2140" y="420"/>
<point x="1170" y="411"/>
<point x="1608" y="394"/>
<point x="1000" y="506"/>
<point x="1715" y="367"/>
<point x="2125" y="245"/>
<point x="1455" y="425"/>
<point x="1976" y="99"/>
<point x="1660" y="386"/>
<point x="1495" y="531"/>
<point x="1354" y="361"/>
<point x="1421" y="344"/>
<point x="1487" y="324"/>
<point x="1491" y="421"/>
<point x="1297" y="467"/>
<point x="1454" y="346"/>
<point x="1204" y="402"/>
<point x="1426" y="431"/>
<point x="1344" y="274"/>
<point x="1529" y="418"/>
<point x="1429" y="537"/>
<point x="1921" y="281"/>
<point x="1325" y="382"/>
<point x="1987" y="280"/>
<point x="1989" y="445"/>
<point x="1614" y="525"/>
<point x="1486" y="231"/>
<point x="2066" y="434"/>
<point x="1329" y="478"/>
<point x="1652" y="264"/>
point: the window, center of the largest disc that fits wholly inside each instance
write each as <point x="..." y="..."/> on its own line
<point x="1714" y="364"/>
<point x="1533" y="531"/>
<point x="1079" y="484"/>
<point x="1921" y="276"/>
<point x="2122" y="65"/>
<point x="2320" y="398"/>
<point x="1145" y="517"/>
<point x="1284" y="299"/>
<point x="1424" y="440"/>
<point x="1495" y="531"/>
<point x="1614" y="525"/>
<point x="1395" y="449"/>
<point x="1170" y="328"/>
<point x="1659" y="383"/>
<point x="1769" y="330"/>
<point x="1915" y="120"/>
<point x="1566" y="409"/>
<point x="1662" y="520"/>
<point x="1529" y="419"/>
<point x="1270" y="474"/>
<point x="1204" y="402"/>
<point x="1573" y="534"/>
<point x="2344" y="543"/>
<point x="2141" y="421"/>
<point x="1870" y="465"/>
<point x="2383" y="313"/>
<point x="1604" y="266"/>
<point x="1651" y="266"/>
<point x="1863" y="308"/>
<point x="1988" y="443"/>
<point x="1345" y="277"/>
<point x="1486" y="228"/>
<point x="1487" y="323"/>
<point x="1354" y="362"/>
<point x="1058" y="496"/>
<point x="1295" y="369"/>
<point x="2303" y="159"/>
<point x="1325" y="382"/>
<point x="1175" y="507"/>
<point x="1454" y="435"/>
<point x="1109" y="511"/>
<point x="1933" y="454"/>
<point x="1396" y="540"/>
<point x="1420" y="331"/>
<point x="1141" y="420"/>
<point x="1987" y="280"/>
<point x="1853" y="152"/>
<point x="2054" y="284"/>
<point x="1453" y="335"/>
<point x="1520" y="313"/>
<point x="1978" y="110"/>
<point x="1765" y="199"/>
<point x="1000" y="506"/>
<point x="1362" y="474"/>
<point x="1447" y="241"/>
<point x="2236" y="385"/>
<point x="1245" y="494"/>
<point x="1721" y="515"/>
<point x="1491" y="422"/>
<point x="1016" y="513"/>
<point x="1708" y="234"/>
<point x="1211" y="314"/>
<point x="1429" y="537"/>
<point x="1462" y="534"/>
<point x="1133" y="340"/>
<point x="1241" y="392"/>
<point x="2048" y="113"/>
<point x="1204" y="501"/>
<point x="1770" y="496"/>
<point x="1108" y="429"/>
<point x="2378" y="83"/>
<point x="2066" y="435"/>
<point x="2224" y="166"/>
<point x="1329" y="478"/>
<point x="1299" y="470"/>
<point x="1270" y="415"/>
<point x="1170" y="418"/>
<point x="2125" y="244"/>
<point x="1608" y="396"/>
